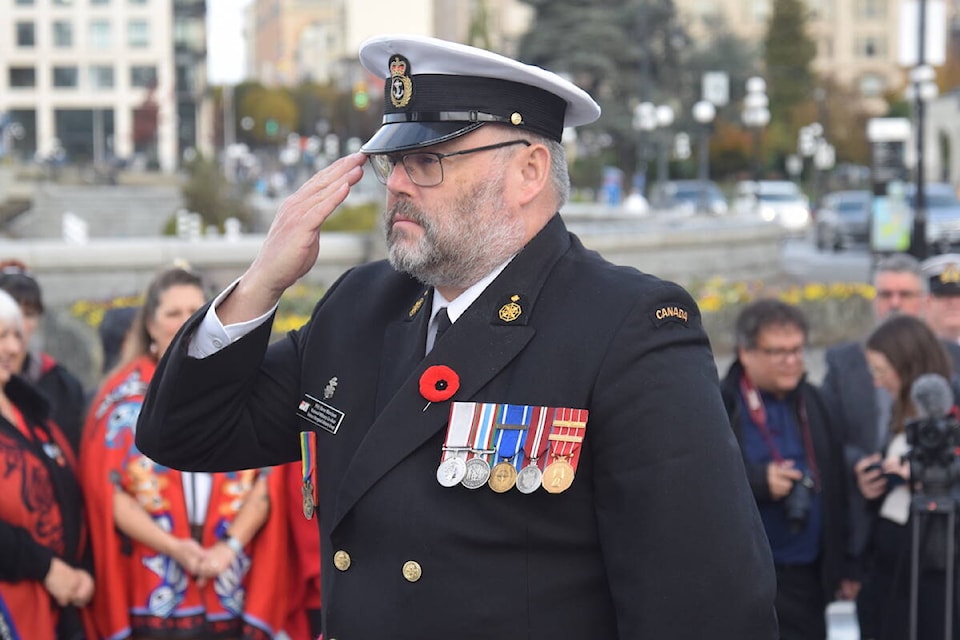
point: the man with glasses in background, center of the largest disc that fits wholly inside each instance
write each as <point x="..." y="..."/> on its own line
<point x="859" y="410"/>
<point x="503" y="434"/>
<point x="794" y="463"/>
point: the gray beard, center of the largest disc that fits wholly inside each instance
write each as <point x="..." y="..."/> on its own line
<point x="461" y="252"/>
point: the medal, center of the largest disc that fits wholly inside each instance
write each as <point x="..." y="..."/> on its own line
<point x="308" y="469"/>
<point x="565" y="439"/>
<point x="529" y="478"/>
<point x="308" y="506"/>
<point x="451" y="471"/>
<point x="558" y="476"/>
<point x="453" y="467"/>
<point x="511" y="434"/>
<point x="503" y="477"/>
<point x="477" y="473"/>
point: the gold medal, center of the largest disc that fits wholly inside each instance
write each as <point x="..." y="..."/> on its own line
<point x="503" y="477"/>
<point x="308" y="506"/>
<point x="558" y="476"/>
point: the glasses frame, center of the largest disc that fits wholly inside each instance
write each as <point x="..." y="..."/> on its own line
<point x="778" y="354"/>
<point x="384" y="163"/>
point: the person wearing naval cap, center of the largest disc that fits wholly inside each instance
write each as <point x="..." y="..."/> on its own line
<point x="502" y="434"/>
<point x="943" y="301"/>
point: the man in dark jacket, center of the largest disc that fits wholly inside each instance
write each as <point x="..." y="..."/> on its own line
<point x="794" y="463"/>
<point x="503" y="434"/>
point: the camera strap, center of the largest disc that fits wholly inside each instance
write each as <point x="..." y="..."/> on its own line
<point x="758" y="415"/>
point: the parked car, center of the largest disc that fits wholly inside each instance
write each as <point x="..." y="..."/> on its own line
<point x="779" y="201"/>
<point x="687" y="197"/>
<point x="942" y="209"/>
<point x="843" y="219"/>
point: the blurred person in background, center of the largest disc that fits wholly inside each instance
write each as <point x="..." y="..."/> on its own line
<point x="113" y="332"/>
<point x="184" y="555"/>
<point x="63" y="390"/>
<point x="943" y="301"/>
<point x="794" y="463"/>
<point x="42" y="532"/>
<point x="899" y="351"/>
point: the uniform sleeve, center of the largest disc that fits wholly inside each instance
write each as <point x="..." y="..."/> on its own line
<point x="683" y="543"/>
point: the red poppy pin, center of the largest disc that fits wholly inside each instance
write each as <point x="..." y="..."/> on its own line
<point x="438" y="383"/>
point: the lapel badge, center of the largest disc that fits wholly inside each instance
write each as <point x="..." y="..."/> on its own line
<point x="416" y="307"/>
<point x="401" y="85"/>
<point x="510" y="311"/>
<point x="330" y="389"/>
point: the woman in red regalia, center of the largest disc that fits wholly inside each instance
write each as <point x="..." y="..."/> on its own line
<point x="185" y="555"/>
<point x="42" y="536"/>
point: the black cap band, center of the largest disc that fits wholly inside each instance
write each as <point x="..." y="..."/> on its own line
<point x="467" y="99"/>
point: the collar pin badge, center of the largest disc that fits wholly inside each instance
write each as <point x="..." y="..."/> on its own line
<point x="401" y="85"/>
<point x="511" y="311"/>
<point x="330" y="389"/>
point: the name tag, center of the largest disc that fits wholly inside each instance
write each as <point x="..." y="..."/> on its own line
<point x="319" y="413"/>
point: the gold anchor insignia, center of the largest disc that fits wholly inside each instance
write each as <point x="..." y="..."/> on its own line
<point x="950" y="274"/>
<point x="401" y="85"/>
<point x="510" y="311"/>
<point x="416" y="307"/>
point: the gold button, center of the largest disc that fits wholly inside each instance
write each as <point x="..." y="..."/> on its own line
<point x="412" y="571"/>
<point x="341" y="560"/>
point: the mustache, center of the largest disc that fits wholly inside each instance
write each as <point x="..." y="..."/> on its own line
<point x="406" y="209"/>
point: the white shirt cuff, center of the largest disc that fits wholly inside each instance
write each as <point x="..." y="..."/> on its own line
<point x="212" y="336"/>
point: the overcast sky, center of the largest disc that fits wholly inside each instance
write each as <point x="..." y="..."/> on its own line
<point x="225" y="44"/>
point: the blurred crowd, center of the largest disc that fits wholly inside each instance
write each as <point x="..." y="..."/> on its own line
<point x="101" y="542"/>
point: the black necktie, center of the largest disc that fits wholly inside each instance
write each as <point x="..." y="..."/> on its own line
<point x="443" y="323"/>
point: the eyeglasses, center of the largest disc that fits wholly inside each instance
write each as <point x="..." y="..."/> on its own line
<point x="424" y="168"/>
<point x="781" y="354"/>
<point x="906" y="294"/>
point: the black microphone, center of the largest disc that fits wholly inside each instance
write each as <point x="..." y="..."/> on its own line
<point x="931" y="395"/>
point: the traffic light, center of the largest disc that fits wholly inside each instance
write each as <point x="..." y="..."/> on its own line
<point x="361" y="99"/>
<point x="271" y="127"/>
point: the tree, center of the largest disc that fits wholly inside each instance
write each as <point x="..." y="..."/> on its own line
<point x="208" y="193"/>
<point x="620" y="51"/>
<point x="789" y="53"/>
<point x="274" y="113"/>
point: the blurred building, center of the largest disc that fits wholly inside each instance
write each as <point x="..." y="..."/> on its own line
<point x="857" y="40"/>
<point x="103" y="81"/>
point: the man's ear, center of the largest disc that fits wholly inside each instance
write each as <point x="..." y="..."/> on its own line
<point x="534" y="174"/>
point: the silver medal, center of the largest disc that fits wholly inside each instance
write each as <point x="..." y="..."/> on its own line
<point x="477" y="473"/>
<point x="529" y="479"/>
<point x="451" y="471"/>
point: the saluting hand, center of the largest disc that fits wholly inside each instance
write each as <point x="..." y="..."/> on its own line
<point x="291" y="246"/>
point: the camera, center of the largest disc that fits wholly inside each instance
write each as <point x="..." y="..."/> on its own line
<point x="797" y="503"/>
<point x="933" y="443"/>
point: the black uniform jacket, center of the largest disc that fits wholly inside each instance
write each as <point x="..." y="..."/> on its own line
<point x="658" y="536"/>
<point x="828" y="450"/>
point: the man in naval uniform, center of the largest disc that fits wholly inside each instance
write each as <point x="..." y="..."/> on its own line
<point x="557" y="465"/>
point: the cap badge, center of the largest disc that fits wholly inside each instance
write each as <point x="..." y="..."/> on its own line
<point x="401" y="86"/>
<point x="951" y="273"/>
<point x="516" y="119"/>
<point x="511" y="311"/>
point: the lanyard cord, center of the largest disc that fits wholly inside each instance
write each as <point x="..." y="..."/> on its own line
<point x="759" y="416"/>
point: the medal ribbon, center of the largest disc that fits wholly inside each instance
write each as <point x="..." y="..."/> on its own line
<point x="512" y="432"/>
<point x="535" y="447"/>
<point x="459" y="429"/>
<point x="567" y="434"/>
<point x="308" y="466"/>
<point x="483" y="431"/>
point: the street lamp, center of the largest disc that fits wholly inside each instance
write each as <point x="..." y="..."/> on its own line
<point x="756" y="115"/>
<point x="664" y="120"/>
<point x="704" y="112"/>
<point x="644" y="121"/>
<point x="922" y="89"/>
